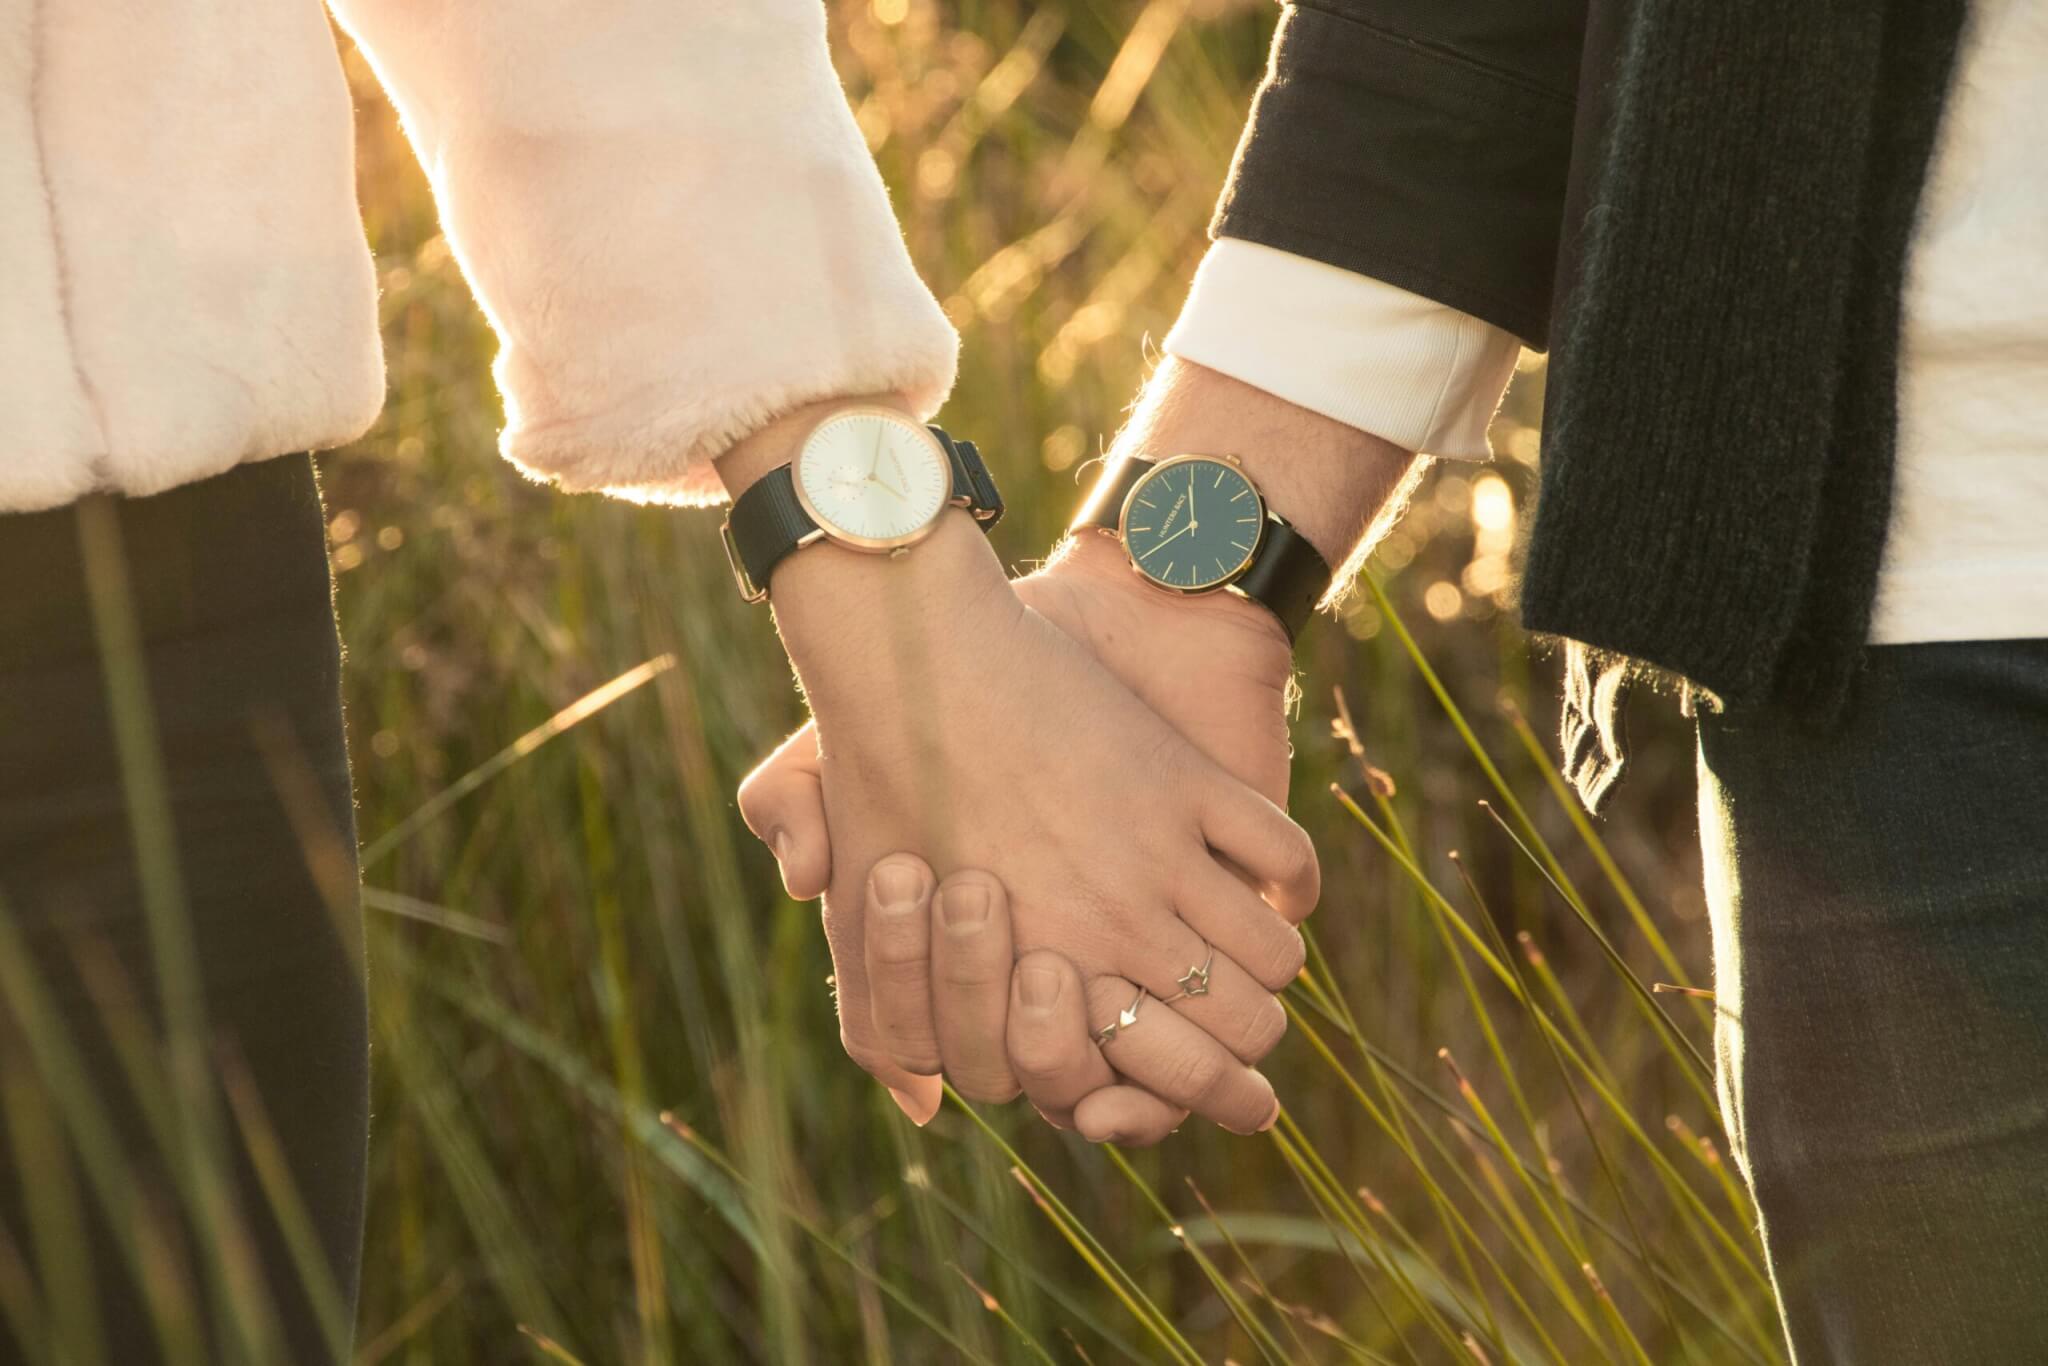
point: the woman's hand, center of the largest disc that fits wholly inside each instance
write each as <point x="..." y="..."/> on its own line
<point x="1217" y="669"/>
<point x="955" y="721"/>
<point x="947" y="979"/>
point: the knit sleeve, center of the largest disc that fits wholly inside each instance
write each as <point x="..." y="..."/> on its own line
<point x="669" y="217"/>
<point x="1421" y="144"/>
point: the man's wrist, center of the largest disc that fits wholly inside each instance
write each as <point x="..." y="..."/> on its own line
<point x="1098" y="564"/>
<point x="1327" y="479"/>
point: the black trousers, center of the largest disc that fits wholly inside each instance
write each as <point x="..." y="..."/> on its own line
<point x="228" y="586"/>
<point x="1879" y="897"/>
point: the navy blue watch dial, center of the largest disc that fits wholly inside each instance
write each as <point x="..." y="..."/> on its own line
<point x="1193" y="524"/>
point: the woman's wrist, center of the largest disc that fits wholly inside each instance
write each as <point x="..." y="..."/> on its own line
<point x="857" y="624"/>
<point x="775" y="444"/>
<point x="854" y="621"/>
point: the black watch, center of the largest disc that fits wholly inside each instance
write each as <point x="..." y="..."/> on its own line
<point x="1197" y="524"/>
<point x="867" y="478"/>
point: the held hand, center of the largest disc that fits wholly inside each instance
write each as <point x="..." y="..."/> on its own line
<point x="1217" y="669"/>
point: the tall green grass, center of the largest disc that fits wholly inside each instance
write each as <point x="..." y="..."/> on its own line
<point x="613" y="1123"/>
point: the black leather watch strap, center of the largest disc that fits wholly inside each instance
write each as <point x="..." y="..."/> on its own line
<point x="1288" y="576"/>
<point x="768" y="523"/>
<point x="1104" y="508"/>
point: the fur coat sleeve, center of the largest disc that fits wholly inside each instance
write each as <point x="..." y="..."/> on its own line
<point x="667" y="211"/>
<point x="663" y="206"/>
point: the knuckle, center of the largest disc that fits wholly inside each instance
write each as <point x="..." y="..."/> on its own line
<point x="866" y="1055"/>
<point x="1283" y="959"/>
<point x="1261" y="1031"/>
<point x="1039" y="1055"/>
<point x="754" y="799"/>
<point x="971" y="973"/>
<point x="1192" y="1075"/>
<point x="897" y="944"/>
<point x="912" y="1056"/>
<point x="1295" y="853"/>
<point x="987" y="1085"/>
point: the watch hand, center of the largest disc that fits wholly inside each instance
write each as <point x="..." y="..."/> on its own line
<point x="876" y="463"/>
<point x="1168" y="541"/>
<point x="889" y="489"/>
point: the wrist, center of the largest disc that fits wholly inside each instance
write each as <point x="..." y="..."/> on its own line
<point x="858" y="625"/>
<point x="1236" y="631"/>
<point x="777" y="442"/>
<point x="853" y="619"/>
<point x="1329" y="480"/>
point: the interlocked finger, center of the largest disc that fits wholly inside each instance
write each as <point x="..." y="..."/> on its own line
<point x="1175" y="1060"/>
<point x="1185" y="975"/>
<point x="1219" y="907"/>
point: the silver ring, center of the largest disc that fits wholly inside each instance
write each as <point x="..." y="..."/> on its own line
<point x="1127" y="1017"/>
<point x="1193" y="982"/>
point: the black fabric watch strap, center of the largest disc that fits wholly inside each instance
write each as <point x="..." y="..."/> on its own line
<point x="768" y="523"/>
<point x="973" y="487"/>
<point x="765" y="524"/>
<point x="1288" y="576"/>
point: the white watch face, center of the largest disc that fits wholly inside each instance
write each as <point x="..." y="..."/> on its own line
<point x="873" y="480"/>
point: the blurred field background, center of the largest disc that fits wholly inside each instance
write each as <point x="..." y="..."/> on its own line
<point x="571" y="932"/>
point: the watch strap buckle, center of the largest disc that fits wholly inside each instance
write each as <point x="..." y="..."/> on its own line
<point x="973" y="487"/>
<point x="749" y="590"/>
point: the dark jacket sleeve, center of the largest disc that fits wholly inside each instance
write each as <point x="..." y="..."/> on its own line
<point x="1425" y="143"/>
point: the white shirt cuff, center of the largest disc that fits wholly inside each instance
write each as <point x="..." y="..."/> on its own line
<point x="1407" y="369"/>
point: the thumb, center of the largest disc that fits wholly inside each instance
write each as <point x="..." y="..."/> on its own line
<point x="783" y="803"/>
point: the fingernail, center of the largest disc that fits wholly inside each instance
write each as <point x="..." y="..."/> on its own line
<point x="898" y="884"/>
<point x="1273" y="1118"/>
<point x="1038" y="988"/>
<point x="916" y="1113"/>
<point x="963" y="905"/>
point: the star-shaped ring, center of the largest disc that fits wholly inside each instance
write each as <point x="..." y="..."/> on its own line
<point x="1193" y="982"/>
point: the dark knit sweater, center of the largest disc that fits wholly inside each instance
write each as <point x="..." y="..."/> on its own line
<point x="1717" y="468"/>
<point x="1714" y="202"/>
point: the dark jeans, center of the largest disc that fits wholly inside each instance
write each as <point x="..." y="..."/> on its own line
<point x="1880" y="912"/>
<point x="229" y="584"/>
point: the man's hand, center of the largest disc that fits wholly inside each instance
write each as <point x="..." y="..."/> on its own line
<point x="1216" y="669"/>
<point x="956" y="721"/>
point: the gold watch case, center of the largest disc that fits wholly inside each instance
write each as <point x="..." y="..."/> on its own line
<point x="1227" y="582"/>
<point x="838" y="535"/>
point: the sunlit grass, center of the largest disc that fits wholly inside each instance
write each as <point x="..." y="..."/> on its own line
<point x="612" y="1119"/>
<point x="1054" y="169"/>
